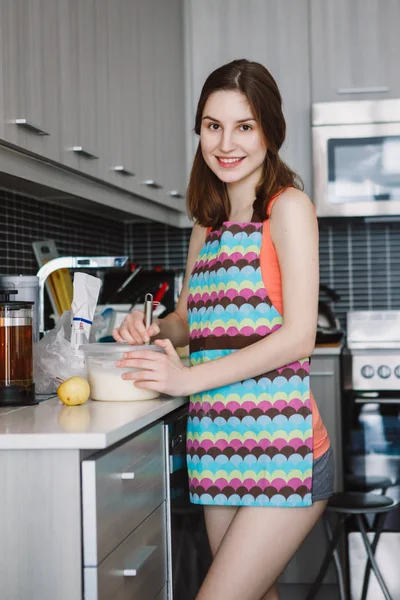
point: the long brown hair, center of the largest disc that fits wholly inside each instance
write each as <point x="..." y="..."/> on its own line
<point x="207" y="198"/>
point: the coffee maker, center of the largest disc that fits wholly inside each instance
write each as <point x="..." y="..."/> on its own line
<point x="16" y="362"/>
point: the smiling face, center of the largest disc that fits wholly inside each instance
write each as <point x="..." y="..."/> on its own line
<point x="232" y="142"/>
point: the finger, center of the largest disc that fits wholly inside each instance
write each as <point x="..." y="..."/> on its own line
<point x="137" y="363"/>
<point x="140" y="328"/>
<point x="153" y="330"/>
<point x="144" y="354"/>
<point x="145" y="375"/>
<point x="119" y="338"/>
<point x="116" y="336"/>
<point x="126" y="335"/>
<point x="167" y="346"/>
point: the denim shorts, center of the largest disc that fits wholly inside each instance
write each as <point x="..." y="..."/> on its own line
<point x="323" y="476"/>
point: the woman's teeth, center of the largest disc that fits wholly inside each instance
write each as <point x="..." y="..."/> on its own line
<point x="230" y="161"/>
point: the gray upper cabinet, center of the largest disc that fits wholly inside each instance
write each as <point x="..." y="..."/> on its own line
<point x="355" y="45"/>
<point x="275" y="34"/>
<point x="97" y="87"/>
<point x="118" y="38"/>
<point x="28" y="76"/>
<point x="77" y="79"/>
<point x="170" y="111"/>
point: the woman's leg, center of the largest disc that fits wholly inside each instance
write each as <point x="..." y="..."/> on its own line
<point x="273" y="593"/>
<point x="257" y="546"/>
<point x="218" y="519"/>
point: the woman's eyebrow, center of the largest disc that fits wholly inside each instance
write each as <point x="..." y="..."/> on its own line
<point x="216" y="120"/>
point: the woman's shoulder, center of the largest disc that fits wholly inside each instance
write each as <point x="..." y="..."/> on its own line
<point x="290" y="204"/>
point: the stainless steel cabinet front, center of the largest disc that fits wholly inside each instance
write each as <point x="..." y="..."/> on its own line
<point x="136" y="569"/>
<point x="119" y="490"/>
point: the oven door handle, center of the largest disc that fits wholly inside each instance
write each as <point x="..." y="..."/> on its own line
<point x="377" y="400"/>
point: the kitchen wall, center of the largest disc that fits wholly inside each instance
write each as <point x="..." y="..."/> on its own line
<point x="361" y="261"/>
<point x="25" y="219"/>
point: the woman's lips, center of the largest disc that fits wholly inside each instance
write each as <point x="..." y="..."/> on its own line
<point x="230" y="163"/>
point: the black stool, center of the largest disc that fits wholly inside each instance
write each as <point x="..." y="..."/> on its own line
<point x="357" y="504"/>
<point x="368" y="483"/>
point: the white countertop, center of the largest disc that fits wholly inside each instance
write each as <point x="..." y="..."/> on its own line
<point x="51" y="425"/>
<point x="94" y="425"/>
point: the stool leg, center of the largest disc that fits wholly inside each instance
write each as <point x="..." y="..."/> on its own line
<point x="380" y="520"/>
<point x="336" y="558"/>
<point x="374" y="565"/>
<point x="333" y="540"/>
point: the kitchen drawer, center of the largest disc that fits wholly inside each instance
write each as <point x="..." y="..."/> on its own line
<point x="120" y="488"/>
<point x="136" y="569"/>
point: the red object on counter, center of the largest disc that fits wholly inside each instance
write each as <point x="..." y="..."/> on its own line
<point x="160" y="293"/>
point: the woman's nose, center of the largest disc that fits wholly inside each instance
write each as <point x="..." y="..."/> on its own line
<point x="227" y="142"/>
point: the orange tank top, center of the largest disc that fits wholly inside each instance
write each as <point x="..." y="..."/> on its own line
<point x="271" y="275"/>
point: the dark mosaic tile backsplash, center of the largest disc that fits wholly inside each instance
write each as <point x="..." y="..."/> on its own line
<point x="24" y="220"/>
<point x="361" y="261"/>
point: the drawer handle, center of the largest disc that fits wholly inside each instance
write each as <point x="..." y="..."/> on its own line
<point x="140" y="559"/>
<point x="123" y="171"/>
<point x="174" y="194"/>
<point x="82" y="152"/>
<point x="30" y="126"/>
<point x="127" y="475"/>
<point x="152" y="184"/>
<point x="363" y="90"/>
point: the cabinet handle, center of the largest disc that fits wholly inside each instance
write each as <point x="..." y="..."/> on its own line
<point x="363" y="90"/>
<point x="174" y="194"/>
<point x="30" y="126"/>
<point x="127" y="475"/>
<point x="322" y="373"/>
<point x="82" y="152"/>
<point x="123" y="171"/>
<point x="142" y="557"/>
<point x="151" y="183"/>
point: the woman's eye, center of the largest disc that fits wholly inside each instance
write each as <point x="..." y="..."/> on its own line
<point x="247" y="127"/>
<point x="213" y="126"/>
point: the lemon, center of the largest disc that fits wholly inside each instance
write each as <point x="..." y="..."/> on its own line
<point x="74" y="391"/>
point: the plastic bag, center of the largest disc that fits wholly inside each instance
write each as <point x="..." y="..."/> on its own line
<point x="54" y="359"/>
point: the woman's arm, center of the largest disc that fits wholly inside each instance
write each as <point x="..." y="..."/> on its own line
<point x="294" y="232"/>
<point x="175" y="326"/>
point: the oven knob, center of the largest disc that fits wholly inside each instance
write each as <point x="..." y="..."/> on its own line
<point x="384" y="371"/>
<point x="397" y="371"/>
<point x="368" y="371"/>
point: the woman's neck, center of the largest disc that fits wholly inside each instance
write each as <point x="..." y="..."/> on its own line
<point x="242" y="195"/>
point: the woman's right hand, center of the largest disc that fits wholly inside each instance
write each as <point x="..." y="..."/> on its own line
<point x="133" y="330"/>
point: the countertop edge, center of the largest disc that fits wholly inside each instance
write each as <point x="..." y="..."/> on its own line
<point x="327" y="350"/>
<point x="88" y="440"/>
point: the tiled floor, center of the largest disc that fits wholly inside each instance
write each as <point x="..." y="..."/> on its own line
<point x="388" y="560"/>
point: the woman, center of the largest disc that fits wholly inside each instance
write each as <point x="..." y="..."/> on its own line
<point x="258" y="455"/>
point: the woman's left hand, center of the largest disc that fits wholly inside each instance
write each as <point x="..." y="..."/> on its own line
<point x="161" y="372"/>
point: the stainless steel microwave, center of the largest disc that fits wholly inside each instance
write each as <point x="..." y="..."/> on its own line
<point x="356" y="158"/>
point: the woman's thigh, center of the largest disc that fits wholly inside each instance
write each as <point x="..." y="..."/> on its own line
<point x="218" y="519"/>
<point x="255" y="549"/>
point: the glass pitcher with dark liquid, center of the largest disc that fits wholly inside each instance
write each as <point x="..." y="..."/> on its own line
<point x="16" y="363"/>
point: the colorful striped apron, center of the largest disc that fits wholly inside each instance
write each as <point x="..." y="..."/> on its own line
<point x="248" y="443"/>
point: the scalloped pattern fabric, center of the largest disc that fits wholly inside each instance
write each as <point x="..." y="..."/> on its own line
<point x="249" y="443"/>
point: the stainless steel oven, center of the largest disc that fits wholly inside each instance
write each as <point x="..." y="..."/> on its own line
<point x="356" y="158"/>
<point x="371" y="400"/>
